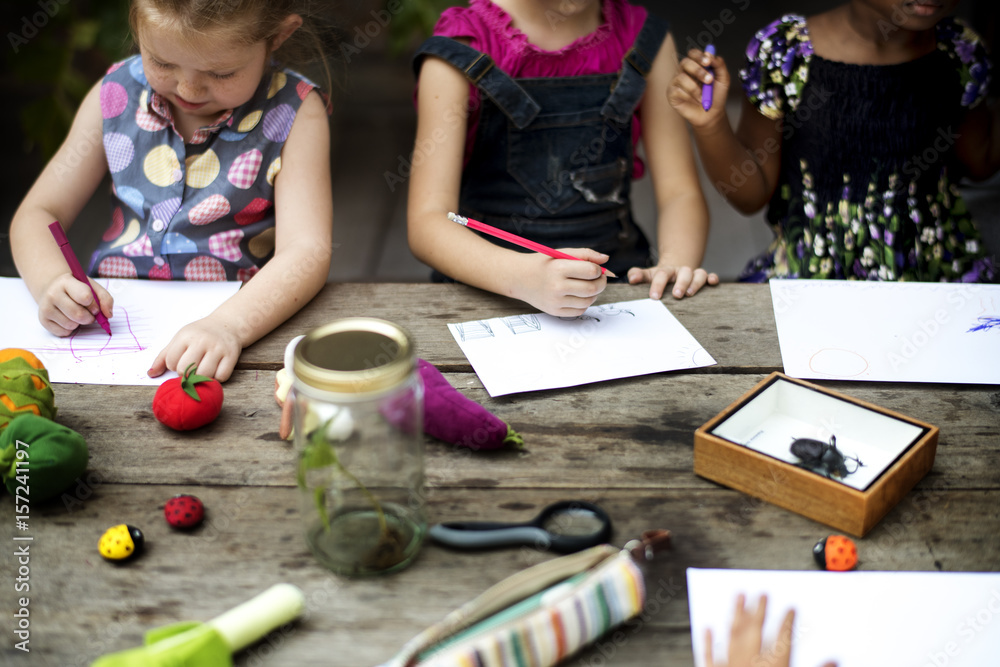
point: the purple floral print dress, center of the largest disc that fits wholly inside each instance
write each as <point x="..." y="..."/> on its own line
<point x="867" y="186"/>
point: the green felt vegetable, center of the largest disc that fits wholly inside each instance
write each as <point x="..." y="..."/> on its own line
<point x="41" y="455"/>
<point x="24" y="387"/>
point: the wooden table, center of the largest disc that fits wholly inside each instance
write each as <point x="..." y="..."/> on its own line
<point x="625" y="444"/>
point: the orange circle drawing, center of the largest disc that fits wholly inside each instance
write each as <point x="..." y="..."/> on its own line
<point x="837" y="362"/>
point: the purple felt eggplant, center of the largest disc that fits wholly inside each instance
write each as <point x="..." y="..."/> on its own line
<point x="453" y="418"/>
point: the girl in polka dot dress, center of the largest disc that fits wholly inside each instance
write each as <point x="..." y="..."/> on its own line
<point x="220" y="169"/>
<point x="857" y="125"/>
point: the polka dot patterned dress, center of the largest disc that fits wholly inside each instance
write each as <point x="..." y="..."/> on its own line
<point x="197" y="211"/>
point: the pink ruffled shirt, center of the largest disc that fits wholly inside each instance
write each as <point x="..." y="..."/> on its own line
<point x="489" y="29"/>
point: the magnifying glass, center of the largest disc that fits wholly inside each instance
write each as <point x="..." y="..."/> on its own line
<point x="564" y="527"/>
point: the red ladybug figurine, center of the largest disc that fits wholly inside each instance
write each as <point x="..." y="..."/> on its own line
<point x="188" y="402"/>
<point x="184" y="511"/>
<point x="836" y="553"/>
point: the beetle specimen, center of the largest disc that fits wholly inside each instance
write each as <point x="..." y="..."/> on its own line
<point x="824" y="458"/>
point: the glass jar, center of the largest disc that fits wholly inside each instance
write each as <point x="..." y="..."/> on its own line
<point x="358" y="416"/>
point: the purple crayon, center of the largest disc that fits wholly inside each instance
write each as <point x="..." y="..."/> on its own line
<point x="706" y="89"/>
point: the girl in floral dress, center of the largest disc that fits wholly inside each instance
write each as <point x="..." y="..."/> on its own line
<point x="857" y="125"/>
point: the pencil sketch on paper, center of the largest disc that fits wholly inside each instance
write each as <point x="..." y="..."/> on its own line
<point x="475" y="330"/>
<point x="612" y="309"/>
<point x="888" y="332"/>
<point x="838" y="362"/>
<point x="696" y="355"/>
<point x="92" y="342"/>
<point x="519" y="324"/>
<point x="609" y="309"/>
<point x="147" y="315"/>
<point x="531" y="352"/>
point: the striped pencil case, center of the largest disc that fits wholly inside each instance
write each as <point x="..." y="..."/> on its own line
<point x="542" y="615"/>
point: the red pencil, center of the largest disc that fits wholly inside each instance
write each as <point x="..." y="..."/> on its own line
<point x="77" y="270"/>
<point x="515" y="239"/>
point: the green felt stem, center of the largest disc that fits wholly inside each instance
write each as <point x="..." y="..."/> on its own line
<point x="513" y="438"/>
<point x="189" y="381"/>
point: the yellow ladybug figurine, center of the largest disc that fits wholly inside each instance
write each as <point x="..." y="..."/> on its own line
<point x="120" y="542"/>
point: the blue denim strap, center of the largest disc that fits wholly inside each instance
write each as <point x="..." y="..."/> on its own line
<point x="636" y="65"/>
<point x="480" y="70"/>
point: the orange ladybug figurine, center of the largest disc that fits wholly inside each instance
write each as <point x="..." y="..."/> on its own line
<point x="837" y="553"/>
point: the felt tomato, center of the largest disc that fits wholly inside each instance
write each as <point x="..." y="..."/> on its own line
<point x="188" y="402"/>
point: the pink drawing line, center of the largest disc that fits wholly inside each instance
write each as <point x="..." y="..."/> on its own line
<point x="105" y="348"/>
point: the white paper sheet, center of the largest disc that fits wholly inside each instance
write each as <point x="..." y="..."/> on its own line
<point x="888" y="332"/>
<point x="917" y="619"/>
<point x="147" y="314"/>
<point x="537" y="351"/>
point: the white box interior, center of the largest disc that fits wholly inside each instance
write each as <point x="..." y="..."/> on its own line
<point x="786" y="411"/>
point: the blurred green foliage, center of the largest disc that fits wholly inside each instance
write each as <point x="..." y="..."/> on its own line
<point x="57" y="52"/>
<point x="60" y="48"/>
<point x="415" y="19"/>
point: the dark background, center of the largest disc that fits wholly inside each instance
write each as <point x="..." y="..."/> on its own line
<point x="373" y="123"/>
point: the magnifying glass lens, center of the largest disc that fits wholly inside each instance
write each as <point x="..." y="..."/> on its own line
<point x="573" y="522"/>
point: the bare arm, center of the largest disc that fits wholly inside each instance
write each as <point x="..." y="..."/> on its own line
<point x="743" y="165"/>
<point x="293" y="276"/>
<point x="978" y="143"/>
<point x="682" y="214"/>
<point x="61" y="191"/>
<point x="556" y="286"/>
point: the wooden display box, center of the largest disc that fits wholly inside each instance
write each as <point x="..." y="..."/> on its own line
<point x="747" y="447"/>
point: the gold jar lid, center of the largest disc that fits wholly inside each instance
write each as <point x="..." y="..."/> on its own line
<point x="354" y="355"/>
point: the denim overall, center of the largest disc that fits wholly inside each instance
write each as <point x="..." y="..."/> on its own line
<point x="552" y="158"/>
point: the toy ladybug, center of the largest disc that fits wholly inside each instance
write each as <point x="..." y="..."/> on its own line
<point x="121" y="542"/>
<point x="837" y="553"/>
<point x="184" y="512"/>
<point x="188" y="402"/>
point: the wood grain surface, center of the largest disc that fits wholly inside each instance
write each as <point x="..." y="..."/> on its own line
<point x="625" y="444"/>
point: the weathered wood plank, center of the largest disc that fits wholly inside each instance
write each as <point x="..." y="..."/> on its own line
<point x="82" y="606"/>
<point x="575" y="438"/>
<point x="747" y="345"/>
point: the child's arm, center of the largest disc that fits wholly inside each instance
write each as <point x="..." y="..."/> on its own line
<point x="682" y="214"/>
<point x="293" y="276"/>
<point x="979" y="140"/>
<point x="61" y="191"/>
<point x="560" y="287"/>
<point x="743" y="165"/>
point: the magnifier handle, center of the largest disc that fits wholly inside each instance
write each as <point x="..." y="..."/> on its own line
<point x="486" y="534"/>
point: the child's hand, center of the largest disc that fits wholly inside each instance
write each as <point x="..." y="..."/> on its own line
<point x="687" y="281"/>
<point x="207" y="343"/>
<point x="684" y="93"/>
<point x="67" y="304"/>
<point x="562" y="287"/>
<point x="746" y="639"/>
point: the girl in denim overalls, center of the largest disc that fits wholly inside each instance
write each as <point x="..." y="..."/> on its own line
<point x="544" y="147"/>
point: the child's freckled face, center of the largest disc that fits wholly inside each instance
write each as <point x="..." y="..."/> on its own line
<point x="200" y="76"/>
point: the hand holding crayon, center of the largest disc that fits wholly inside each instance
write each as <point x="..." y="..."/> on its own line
<point x="77" y="271"/>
